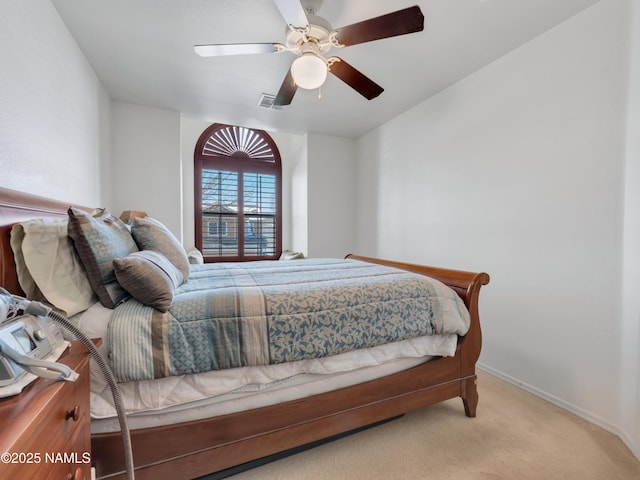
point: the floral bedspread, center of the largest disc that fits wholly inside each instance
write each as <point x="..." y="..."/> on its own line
<point x="256" y="313"/>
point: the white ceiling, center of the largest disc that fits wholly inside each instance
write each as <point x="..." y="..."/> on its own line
<point x="142" y="51"/>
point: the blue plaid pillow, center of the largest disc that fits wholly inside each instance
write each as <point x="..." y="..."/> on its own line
<point x="99" y="239"/>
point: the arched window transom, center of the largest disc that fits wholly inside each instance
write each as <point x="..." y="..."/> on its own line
<point x="230" y="141"/>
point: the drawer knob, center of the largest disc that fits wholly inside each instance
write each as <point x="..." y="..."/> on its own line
<point x="77" y="475"/>
<point x="74" y="413"/>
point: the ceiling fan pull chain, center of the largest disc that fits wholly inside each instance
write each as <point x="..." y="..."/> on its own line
<point x="320" y="93"/>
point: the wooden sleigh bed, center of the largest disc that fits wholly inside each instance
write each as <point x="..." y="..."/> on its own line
<point x="196" y="448"/>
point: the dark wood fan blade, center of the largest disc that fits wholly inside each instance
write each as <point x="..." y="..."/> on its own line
<point x="287" y="90"/>
<point x="355" y="79"/>
<point x="216" y="50"/>
<point x="405" y="21"/>
<point x="293" y="13"/>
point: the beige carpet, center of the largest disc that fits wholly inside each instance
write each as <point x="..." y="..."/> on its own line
<point x="516" y="436"/>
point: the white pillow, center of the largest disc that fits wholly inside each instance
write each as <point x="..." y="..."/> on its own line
<point x="54" y="265"/>
<point x="25" y="279"/>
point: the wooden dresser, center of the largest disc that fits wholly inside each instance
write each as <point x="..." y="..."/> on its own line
<point x="46" y="429"/>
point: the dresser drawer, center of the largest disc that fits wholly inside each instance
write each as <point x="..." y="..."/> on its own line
<point x="48" y="432"/>
<point x="65" y="417"/>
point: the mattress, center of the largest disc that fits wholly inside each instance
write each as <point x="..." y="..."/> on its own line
<point x="191" y="397"/>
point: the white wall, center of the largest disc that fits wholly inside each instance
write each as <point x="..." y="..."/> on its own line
<point x="331" y="179"/>
<point x="191" y="129"/>
<point x="630" y="372"/>
<point x="299" y="200"/>
<point x="293" y="151"/>
<point x="518" y="170"/>
<point x="54" y="114"/>
<point x="146" y="167"/>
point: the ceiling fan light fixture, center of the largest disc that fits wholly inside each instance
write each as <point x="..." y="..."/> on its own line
<point x="309" y="71"/>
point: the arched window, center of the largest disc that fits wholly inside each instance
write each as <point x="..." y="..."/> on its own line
<point x="238" y="199"/>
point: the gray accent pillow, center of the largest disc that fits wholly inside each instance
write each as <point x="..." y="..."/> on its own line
<point x="149" y="277"/>
<point x="99" y="239"/>
<point x="150" y="234"/>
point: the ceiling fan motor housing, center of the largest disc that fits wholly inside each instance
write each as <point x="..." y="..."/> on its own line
<point x="315" y="39"/>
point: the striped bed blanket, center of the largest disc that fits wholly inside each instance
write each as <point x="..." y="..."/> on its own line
<point x="230" y="315"/>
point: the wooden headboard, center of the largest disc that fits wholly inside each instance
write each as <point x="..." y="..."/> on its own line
<point x="17" y="207"/>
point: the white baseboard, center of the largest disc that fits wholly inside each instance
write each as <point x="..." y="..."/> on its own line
<point x="589" y="417"/>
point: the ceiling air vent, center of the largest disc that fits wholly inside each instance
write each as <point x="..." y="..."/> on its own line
<point x="267" y="100"/>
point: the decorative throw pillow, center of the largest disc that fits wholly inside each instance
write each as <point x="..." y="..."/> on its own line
<point x="195" y="257"/>
<point x="99" y="239"/>
<point x="54" y="265"/>
<point x="149" y="277"/>
<point x="150" y="234"/>
<point x="289" y="255"/>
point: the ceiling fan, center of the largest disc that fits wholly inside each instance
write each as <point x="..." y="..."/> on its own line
<point x="310" y="38"/>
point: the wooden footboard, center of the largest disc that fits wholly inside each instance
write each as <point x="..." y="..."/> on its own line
<point x="467" y="285"/>
<point x="193" y="449"/>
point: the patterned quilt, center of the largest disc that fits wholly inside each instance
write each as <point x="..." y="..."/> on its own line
<point x="257" y="313"/>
